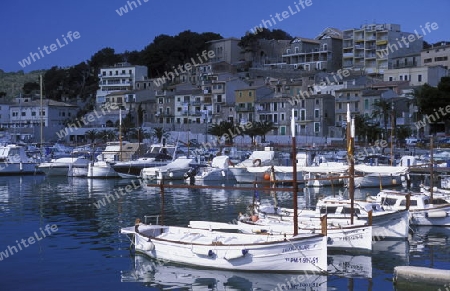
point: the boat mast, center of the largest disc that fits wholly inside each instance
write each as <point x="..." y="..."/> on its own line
<point x="120" y="132"/>
<point x="294" y="173"/>
<point x="42" y="117"/>
<point x="351" y="158"/>
<point x="431" y="168"/>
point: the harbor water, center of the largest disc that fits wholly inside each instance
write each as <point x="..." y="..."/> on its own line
<point x="60" y="233"/>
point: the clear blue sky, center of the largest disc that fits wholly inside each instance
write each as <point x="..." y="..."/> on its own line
<point x="28" y="24"/>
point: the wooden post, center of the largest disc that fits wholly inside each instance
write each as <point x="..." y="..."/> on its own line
<point x="161" y="187"/>
<point x="324" y="224"/>
<point x="294" y="174"/>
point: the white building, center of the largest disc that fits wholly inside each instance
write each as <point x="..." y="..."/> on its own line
<point x="27" y="115"/>
<point x="417" y="76"/>
<point x="120" y="77"/>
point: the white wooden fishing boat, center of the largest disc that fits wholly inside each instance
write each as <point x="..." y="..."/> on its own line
<point x="422" y="209"/>
<point x="341" y="236"/>
<point x="231" y="251"/>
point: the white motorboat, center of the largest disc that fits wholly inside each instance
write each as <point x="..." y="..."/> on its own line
<point x="113" y="152"/>
<point x="231" y="251"/>
<point x="325" y="174"/>
<point x="423" y="210"/>
<point x="262" y="164"/>
<point x="159" y="154"/>
<point x="217" y="171"/>
<point x="258" y="159"/>
<point x="379" y="176"/>
<point x="62" y="166"/>
<point x="174" y="170"/>
<point x="14" y="161"/>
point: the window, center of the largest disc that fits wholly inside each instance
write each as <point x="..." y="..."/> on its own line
<point x="33" y="113"/>
<point x="23" y="114"/>
<point x="219" y="98"/>
<point x="282" y="117"/>
<point x="366" y="104"/>
<point x="316" y="126"/>
<point x="440" y="59"/>
<point x="316" y="113"/>
<point x="161" y="100"/>
<point x="427" y="60"/>
<point x="302" y="114"/>
<point x="419" y="78"/>
<point x="390" y="79"/>
<point x="250" y="93"/>
<point x="317" y="102"/>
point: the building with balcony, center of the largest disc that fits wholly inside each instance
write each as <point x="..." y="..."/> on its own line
<point x="372" y="47"/>
<point x="323" y="53"/>
<point x="189" y="107"/>
<point x="346" y="96"/>
<point x="438" y="54"/>
<point x="120" y="77"/>
<point x="417" y="76"/>
<point x="315" y="115"/>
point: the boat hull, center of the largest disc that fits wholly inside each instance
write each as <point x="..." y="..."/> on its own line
<point x="101" y="170"/>
<point x="18" y="169"/>
<point x="430" y="217"/>
<point x="229" y="251"/>
<point x="370" y="181"/>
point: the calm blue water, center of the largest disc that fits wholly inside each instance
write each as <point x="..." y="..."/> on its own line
<point x="84" y="249"/>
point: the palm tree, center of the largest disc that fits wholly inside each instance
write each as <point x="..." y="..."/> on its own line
<point x="91" y="135"/>
<point x="382" y="110"/>
<point x="252" y="132"/>
<point x="160" y="133"/>
<point x="225" y="129"/>
<point x="106" y="135"/>
<point x="263" y="128"/>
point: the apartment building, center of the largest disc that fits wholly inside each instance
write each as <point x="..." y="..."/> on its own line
<point x="315" y="115"/>
<point x="120" y="77"/>
<point x="321" y="54"/>
<point x="436" y="55"/>
<point x="372" y="47"/>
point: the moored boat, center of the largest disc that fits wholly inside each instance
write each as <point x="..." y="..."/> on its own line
<point x="231" y="251"/>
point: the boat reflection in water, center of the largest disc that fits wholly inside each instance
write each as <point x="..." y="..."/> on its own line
<point x="166" y="276"/>
<point x="349" y="265"/>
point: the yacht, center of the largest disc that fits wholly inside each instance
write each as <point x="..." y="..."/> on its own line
<point x="14" y="161"/>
